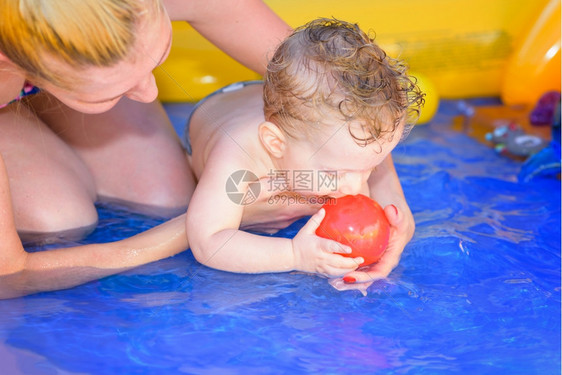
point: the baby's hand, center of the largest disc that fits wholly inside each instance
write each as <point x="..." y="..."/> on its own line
<point x="318" y="255"/>
<point x="401" y="231"/>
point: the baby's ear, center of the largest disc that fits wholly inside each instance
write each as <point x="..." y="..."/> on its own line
<point x="272" y="138"/>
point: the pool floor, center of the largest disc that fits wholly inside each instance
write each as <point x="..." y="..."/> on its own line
<point x="477" y="291"/>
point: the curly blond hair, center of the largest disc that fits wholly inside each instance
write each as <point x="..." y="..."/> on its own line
<point x="80" y="33"/>
<point x="330" y="67"/>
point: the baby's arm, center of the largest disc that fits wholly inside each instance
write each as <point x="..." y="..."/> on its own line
<point x="212" y="226"/>
<point x="385" y="188"/>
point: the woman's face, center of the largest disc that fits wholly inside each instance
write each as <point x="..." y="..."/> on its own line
<point x="100" y="88"/>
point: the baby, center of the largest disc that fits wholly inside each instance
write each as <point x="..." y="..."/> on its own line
<point x="322" y="125"/>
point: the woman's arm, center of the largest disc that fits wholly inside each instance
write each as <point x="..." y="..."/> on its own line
<point x="385" y="188"/>
<point x="247" y="30"/>
<point x="24" y="273"/>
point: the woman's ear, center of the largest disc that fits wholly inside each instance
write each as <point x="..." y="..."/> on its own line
<point x="4" y="59"/>
<point x="9" y="67"/>
<point x="272" y="138"/>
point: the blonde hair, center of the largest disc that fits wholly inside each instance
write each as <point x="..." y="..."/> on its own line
<point x="80" y="33"/>
<point x="329" y="67"/>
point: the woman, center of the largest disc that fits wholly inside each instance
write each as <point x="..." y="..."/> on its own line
<point x="95" y="130"/>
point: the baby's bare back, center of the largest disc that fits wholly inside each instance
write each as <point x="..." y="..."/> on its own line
<point x="228" y="122"/>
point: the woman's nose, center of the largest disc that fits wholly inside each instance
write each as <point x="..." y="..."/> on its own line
<point x="145" y="92"/>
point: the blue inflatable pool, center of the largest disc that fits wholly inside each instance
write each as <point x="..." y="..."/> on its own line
<point x="477" y="291"/>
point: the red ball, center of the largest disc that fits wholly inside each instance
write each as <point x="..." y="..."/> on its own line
<point x="358" y="222"/>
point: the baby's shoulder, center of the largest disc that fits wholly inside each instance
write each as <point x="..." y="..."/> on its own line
<point x="234" y="149"/>
<point x="235" y="152"/>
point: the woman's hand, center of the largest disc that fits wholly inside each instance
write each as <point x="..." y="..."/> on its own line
<point x="401" y="231"/>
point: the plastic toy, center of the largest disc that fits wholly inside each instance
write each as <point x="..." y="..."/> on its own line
<point x="359" y="222"/>
<point x="431" y="98"/>
<point x="512" y="140"/>
<point x="545" y="163"/>
<point x="534" y="67"/>
<point x="464" y="53"/>
<point x="543" y="113"/>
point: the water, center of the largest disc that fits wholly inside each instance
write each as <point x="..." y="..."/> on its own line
<point x="477" y="292"/>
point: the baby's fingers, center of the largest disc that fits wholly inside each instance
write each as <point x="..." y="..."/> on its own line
<point x="335" y="247"/>
<point x="335" y="257"/>
<point x="340" y="266"/>
<point x="314" y="222"/>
